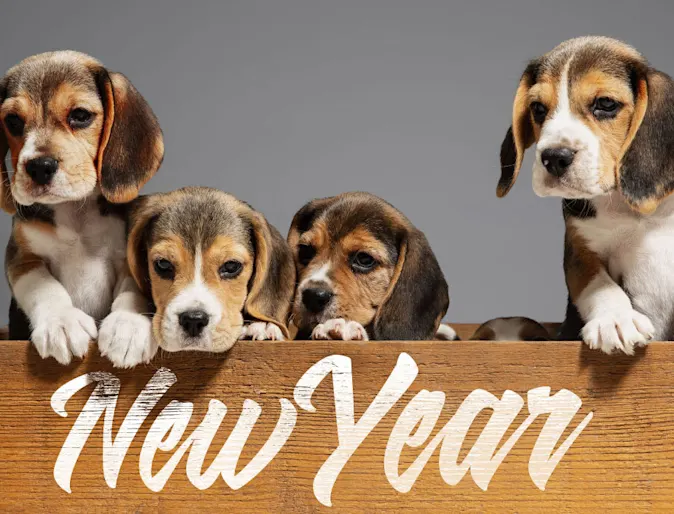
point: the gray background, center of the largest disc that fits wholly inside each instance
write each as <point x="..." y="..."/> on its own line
<point x="282" y="101"/>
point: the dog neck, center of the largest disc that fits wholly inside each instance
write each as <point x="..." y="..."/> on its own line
<point x="614" y="204"/>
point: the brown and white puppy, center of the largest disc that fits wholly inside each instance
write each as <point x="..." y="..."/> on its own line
<point x="516" y="328"/>
<point x="603" y="121"/>
<point x="215" y="269"/>
<point x="364" y="272"/>
<point x="81" y="139"/>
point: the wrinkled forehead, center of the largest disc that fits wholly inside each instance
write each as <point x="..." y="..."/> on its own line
<point x="40" y="77"/>
<point x="579" y="58"/>
<point x="198" y="222"/>
<point x="360" y="221"/>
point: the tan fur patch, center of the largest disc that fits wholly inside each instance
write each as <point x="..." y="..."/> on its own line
<point x="545" y="92"/>
<point x="581" y="264"/>
<point x="20" y="258"/>
<point x="163" y="290"/>
<point x="231" y="293"/>
<point x="22" y="106"/>
<point x="612" y="133"/>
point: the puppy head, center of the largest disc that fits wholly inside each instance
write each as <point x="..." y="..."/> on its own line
<point x="71" y="126"/>
<point x="511" y="329"/>
<point x="602" y="120"/>
<point x="360" y="259"/>
<point x="208" y="261"/>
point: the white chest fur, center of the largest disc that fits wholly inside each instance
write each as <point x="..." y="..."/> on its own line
<point x="638" y="252"/>
<point x="84" y="254"/>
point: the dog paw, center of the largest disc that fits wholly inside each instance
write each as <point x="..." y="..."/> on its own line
<point x="339" y="330"/>
<point x="618" y="331"/>
<point x="63" y="334"/>
<point x="446" y="333"/>
<point x="261" y="331"/>
<point x="125" y="338"/>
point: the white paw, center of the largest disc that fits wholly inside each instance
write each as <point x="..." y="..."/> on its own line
<point x="446" y="333"/>
<point x="64" y="333"/>
<point x="261" y="331"/>
<point x="620" y="331"/>
<point x="339" y="330"/>
<point x="125" y="338"/>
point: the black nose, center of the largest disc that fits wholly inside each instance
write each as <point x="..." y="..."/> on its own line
<point x="557" y="160"/>
<point x="193" y="322"/>
<point x="316" y="299"/>
<point x="42" y="169"/>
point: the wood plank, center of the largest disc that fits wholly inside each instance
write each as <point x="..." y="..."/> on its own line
<point x="623" y="459"/>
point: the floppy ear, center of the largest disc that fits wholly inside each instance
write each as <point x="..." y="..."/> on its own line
<point x="417" y="298"/>
<point x="519" y="137"/>
<point x="143" y="213"/>
<point x="131" y="148"/>
<point x="6" y="200"/>
<point x="646" y="170"/>
<point x="271" y="288"/>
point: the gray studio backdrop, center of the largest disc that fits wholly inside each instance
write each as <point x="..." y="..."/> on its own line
<point x="281" y="101"/>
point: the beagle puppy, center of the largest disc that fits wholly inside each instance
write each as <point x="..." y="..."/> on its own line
<point x="82" y="141"/>
<point x="364" y="272"/>
<point x="215" y="269"/>
<point x="603" y="121"/>
<point x="516" y="328"/>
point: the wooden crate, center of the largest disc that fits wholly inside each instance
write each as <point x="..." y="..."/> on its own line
<point x="618" y="411"/>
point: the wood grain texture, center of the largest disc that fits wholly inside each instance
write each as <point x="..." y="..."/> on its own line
<point x="623" y="460"/>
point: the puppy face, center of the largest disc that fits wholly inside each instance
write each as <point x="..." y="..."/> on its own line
<point x="356" y="257"/>
<point x="205" y="258"/>
<point x="583" y="104"/>
<point x="71" y="127"/>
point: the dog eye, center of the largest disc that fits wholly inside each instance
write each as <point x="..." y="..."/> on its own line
<point x="305" y="253"/>
<point x="80" y="118"/>
<point x="164" y="268"/>
<point x="362" y="262"/>
<point x="230" y="269"/>
<point x="539" y="111"/>
<point x="14" y="124"/>
<point x="604" y="108"/>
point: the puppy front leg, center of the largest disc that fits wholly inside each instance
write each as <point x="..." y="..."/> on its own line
<point x="125" y="337"/>
<point x="59" y="329"/>
<point x="610" y="321"/>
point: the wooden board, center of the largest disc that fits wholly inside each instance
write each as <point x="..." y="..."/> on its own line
<point x="623" y="459"/>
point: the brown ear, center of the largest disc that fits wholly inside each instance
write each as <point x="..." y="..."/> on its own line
<point x="142" y="214"/>
<point x="132" y="145"/>
<point x="520" y="135"/>
<point x="272" y="285"/>
<point x="6" y="200"/>
<point x="646" y="170"/>
<point x="418" y="296"/>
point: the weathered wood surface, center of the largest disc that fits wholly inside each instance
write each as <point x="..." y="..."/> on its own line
<point x="623" y="459"/>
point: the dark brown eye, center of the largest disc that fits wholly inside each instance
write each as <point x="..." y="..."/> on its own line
<point x="605" y="108"/>
<point x="230" y="269"/>
<point x="80" y="118"/>
<point x="164" y="269"/>
<point x="305" y="253"/>
<point x="14" y="124"/>
<point x="362" y="262"/>
<point x="538" y="111"/>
